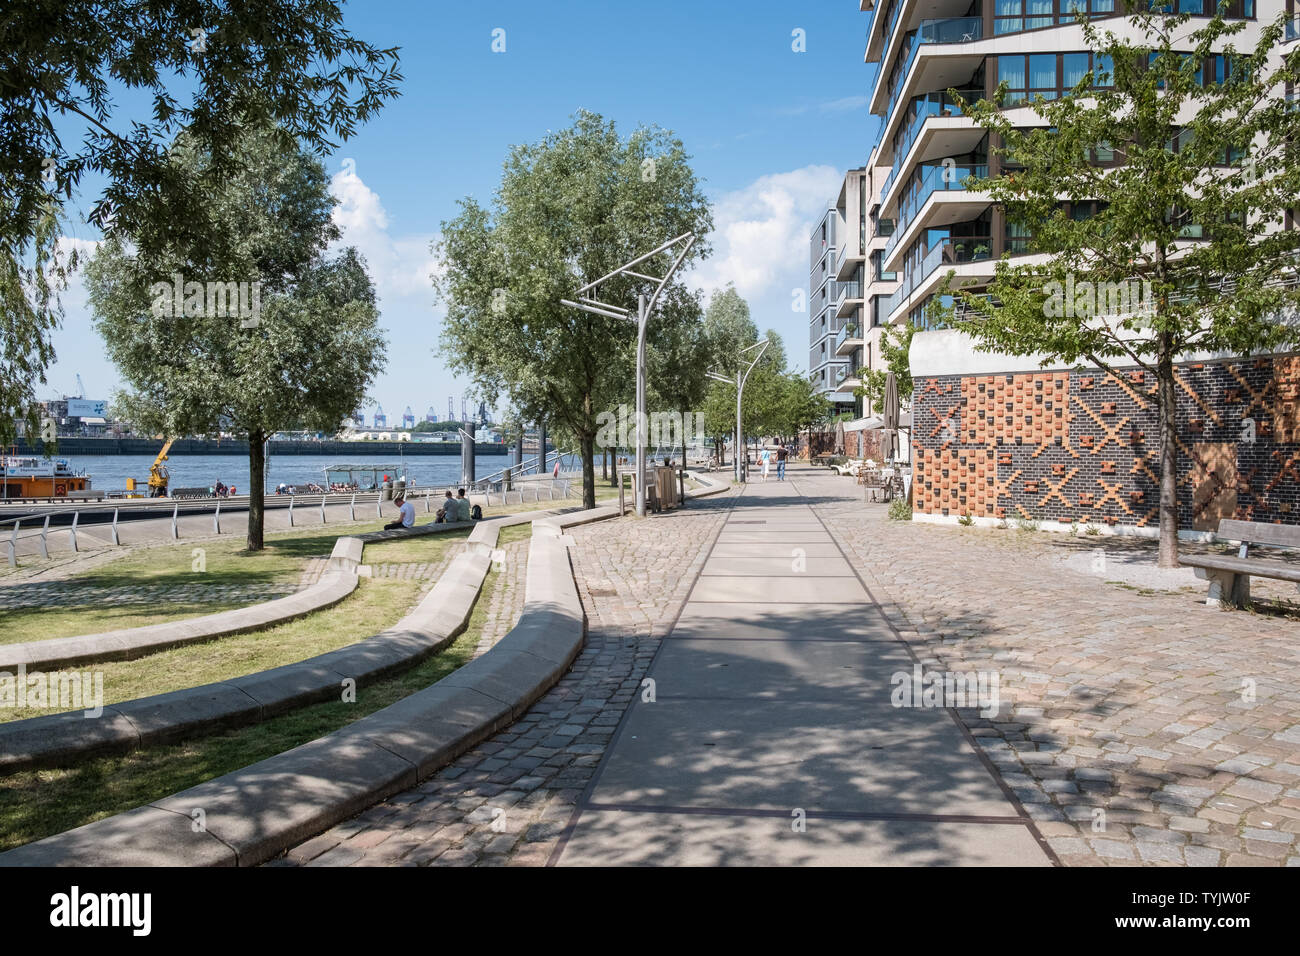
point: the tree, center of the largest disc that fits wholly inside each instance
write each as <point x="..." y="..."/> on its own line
<point x="302" y="349"/>
<point x="1182" y="237"/>
<point x="676" y="366"/>
<point x="895" y="345"/>
<point x="249" y="64"/>
<point x="569" y="210"/>
<point x="728" y="329"/>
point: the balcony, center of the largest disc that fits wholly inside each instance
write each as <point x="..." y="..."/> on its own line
<point x="936" y="179"/>
<point x="848" y="339"/>
<point x="953" y="30"/>
<point x="925" y="107"/>
<point x="850" y="297"/>
<point x="949" y="252"/>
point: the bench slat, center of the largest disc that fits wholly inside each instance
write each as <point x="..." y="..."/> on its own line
<point x="1257" y="532"/>
<point x="1280" y="570"/>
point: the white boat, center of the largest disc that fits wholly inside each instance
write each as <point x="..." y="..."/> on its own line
<point x="32" y="477"/>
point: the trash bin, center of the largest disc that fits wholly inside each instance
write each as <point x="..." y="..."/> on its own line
<point x="386" y="492"/>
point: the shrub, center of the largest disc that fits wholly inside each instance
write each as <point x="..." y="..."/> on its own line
<point x="966" y="520"/>
<point x="900" y="510"/>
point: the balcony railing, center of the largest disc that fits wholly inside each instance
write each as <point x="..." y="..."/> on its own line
<point x="951" y="252"/>
<point x="953" y="30"/>
<point x="935" y="179"/>
<point x="931" y="104"/>
<point x="850" y="331"/>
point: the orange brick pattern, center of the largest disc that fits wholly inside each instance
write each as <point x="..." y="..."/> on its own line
<point x="1083" y="446"/>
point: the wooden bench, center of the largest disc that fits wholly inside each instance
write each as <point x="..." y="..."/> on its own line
<point x="1229" y="577"/>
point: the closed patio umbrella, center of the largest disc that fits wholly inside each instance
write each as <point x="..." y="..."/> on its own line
<point x="890" y="443"/>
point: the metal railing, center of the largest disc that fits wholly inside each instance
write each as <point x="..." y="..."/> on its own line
<point x="950" y="30"/>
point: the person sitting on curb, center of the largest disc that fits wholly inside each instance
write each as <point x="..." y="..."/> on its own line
<point x="446" y="512"/>
<point x="405" y="514"/>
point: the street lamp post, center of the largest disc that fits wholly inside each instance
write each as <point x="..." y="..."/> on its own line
<point x="738" y="464"/>
<point x="588" y="303"/>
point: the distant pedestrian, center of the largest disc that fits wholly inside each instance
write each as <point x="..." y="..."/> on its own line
<point x="782" y="453"/>
<point x="765" y="456"/>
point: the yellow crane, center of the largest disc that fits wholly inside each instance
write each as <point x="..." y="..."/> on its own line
<point x="158" y="475"/>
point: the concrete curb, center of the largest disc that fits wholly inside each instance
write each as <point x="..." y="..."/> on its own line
<point x="54" y="739"/>
<point x="251" y="815"/>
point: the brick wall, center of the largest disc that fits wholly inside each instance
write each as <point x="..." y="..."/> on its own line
<point x="1062" y="446"/>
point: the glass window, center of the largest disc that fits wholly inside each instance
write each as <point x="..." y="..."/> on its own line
<point x="1191" y="6"/>
<point x="1103" y="71"/>
<point x="1070" y="7"/>
<point x="1011" y="71"/>
<point x="1042" y="74"/>
<point x="1103" y="6"/>
<point x="1039" y="14"/>
<point x="1075" y="69"/>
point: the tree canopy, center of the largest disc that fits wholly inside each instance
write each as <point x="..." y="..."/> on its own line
<point x="301" y="348"/>
<point x="209" y="68"/>
<point x="569" y="210"/>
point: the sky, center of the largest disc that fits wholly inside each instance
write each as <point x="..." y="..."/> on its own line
<point x="771" y="131"/>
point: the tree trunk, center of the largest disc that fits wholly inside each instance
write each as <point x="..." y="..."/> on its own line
<point x="256" y="489"/>
<point x="1167" y="409"/>
<point x="604" y="465"/>
<point x="587" y="444"/>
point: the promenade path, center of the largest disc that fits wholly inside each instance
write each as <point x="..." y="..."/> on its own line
<point x="765" y="732"/>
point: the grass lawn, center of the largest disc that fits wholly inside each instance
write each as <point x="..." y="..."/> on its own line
<point x="39" y="803"/>
<point x="377" y="603"/>
<point x="77" y="604"/>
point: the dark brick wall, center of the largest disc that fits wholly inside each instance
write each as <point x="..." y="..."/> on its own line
<point x="1062" y="446"/>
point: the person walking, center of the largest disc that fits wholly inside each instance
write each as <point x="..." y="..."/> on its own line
<point x="766" y="458"/>
<point x="782" y="453"/>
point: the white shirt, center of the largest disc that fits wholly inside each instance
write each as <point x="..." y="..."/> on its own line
<point x="408" y="514"/>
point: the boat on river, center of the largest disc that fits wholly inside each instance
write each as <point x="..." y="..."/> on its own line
<point x="27" y="476"/>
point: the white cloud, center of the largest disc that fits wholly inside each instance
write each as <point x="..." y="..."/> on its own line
<point x="400" y="266"/>
<point x="760" y="238"/>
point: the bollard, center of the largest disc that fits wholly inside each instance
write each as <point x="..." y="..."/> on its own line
<point x="175" y="533"/>
<point x="352" y="508"/>
<point x="426" y="502"/>
<point x="291" y="511"/>
<point x="116" y="541"/>
<point x="216" y="519"/>
<point x="45" y="548"/>
<point x="75" y="516"/>
<point x="13" y="544"/>
<point x="322" y="509"/>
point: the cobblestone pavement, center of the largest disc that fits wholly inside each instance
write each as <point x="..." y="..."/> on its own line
<point x="73" y="594"/>
<point x="507" y="601"/>
<point x="507" y="800"/>
<point x="1137" y="727"/>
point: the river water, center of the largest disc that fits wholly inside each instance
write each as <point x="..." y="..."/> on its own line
<point x="109" y="472"/>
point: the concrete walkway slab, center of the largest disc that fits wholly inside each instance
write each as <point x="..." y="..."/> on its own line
<point x="833" y="756"/>
<point x="614" y="838"/>
<point x="778" y="566"/>
<point x="790" y="590"/>
<point x="781" y="622"/>
<point x="780" y="670"/>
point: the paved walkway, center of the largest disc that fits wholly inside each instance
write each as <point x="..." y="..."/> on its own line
<point x="766" y="733"/>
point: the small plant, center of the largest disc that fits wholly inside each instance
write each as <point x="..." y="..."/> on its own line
<point x="900" y="510"/>
<point x="1074" y="529"/>
<point x="1003" y="523"/>
<point x="1026" y="524"/>
<point x="1092" y="529"/>
<point x="966" y="520"/>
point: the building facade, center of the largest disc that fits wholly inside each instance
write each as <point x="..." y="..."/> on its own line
<point x="825" y="369"/>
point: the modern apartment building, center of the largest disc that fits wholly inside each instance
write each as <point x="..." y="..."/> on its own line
<point x="920" y="217"/>
<point x="827" y="370"/>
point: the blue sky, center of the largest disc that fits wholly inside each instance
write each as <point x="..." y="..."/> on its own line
<point x="770" y="130"/>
